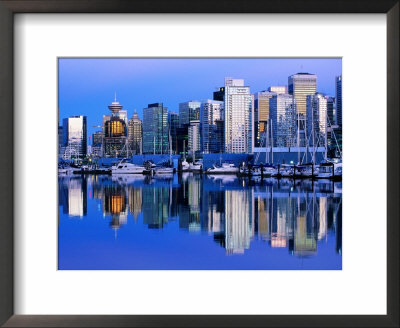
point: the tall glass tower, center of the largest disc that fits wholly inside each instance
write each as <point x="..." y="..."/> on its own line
<point x="155" y="129"/>
<point x="338" y="84"/>
<point x="302" y="85"/>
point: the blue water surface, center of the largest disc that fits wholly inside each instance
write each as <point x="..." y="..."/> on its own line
<point x="198" y="222"/>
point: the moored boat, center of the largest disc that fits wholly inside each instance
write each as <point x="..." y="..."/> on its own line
<point x="124" y="167"/>
<point x="225" y="168"/>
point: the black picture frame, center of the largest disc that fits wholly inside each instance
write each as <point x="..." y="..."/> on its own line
<point x="10" y="7"/>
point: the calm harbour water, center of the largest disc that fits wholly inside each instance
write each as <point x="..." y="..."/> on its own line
<point x="198" y="222"/>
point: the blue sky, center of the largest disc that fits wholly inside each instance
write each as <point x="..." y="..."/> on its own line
<point x="87" y="85"/>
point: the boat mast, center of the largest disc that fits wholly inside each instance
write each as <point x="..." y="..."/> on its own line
<point x="326" y="137"/>
<point x="154" y="145"/>
<point x="170" y="148"/>
<point x="266" y="144"/>
<point x="313" y="131"/>
<point x="272" y="143"/>
<point x="298" y="130"/>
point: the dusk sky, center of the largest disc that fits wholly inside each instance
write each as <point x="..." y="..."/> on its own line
<point x="87" y="86"/>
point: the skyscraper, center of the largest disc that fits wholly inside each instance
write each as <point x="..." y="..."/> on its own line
<point x="301" y="85"/>
<point x="261" y="113"/>
<point x="211" y="111"/>
<point x="173" y="122"/>
<point x="189" y="111"/>
<point x="60" y="139"/>
<point x="115" y="131"/>
<point x="155" y="129"/>
<point x="135" y="134"/>
<point x="338" y="131"/>
<point x="97" y="142"/>
<point x="194" y="137"/>
<point x="238" y="117"/>
<point x="338" y="85"/>
<point x="74" y="137"/>
<point x="317" y="119"/>
<point x="283" y="116"/>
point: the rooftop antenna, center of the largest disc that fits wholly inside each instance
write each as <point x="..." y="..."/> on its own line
<point x="115" y="96"/>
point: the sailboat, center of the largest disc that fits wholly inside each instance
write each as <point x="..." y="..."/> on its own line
<point x="185" y="165"/>
<point x="166" y="169"/>
<point x="196" y="166"/>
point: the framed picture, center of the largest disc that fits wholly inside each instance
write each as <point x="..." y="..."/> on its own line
<point x="188" y="166"/>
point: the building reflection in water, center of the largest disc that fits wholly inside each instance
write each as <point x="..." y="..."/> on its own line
<point x="282" y="214"/>
<point x="72" y="196"/>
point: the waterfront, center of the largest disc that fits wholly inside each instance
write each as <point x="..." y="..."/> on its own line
<point x="198" y="222"/>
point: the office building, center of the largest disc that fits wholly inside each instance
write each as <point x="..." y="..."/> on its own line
<point x="261" y="114"/>
<point x="74" y="137"/>
<point x="338" y="86"/>
<point x="97" y="144"/>
<point x="238" y="112"/>
<point x="302" y="85"/>
<point x="219" y="95"/>
<point x="211" y="111"/>
<point x="331" y="110"/>
<point x="338" y="131"/>
<point x="189" y="111"/>
<point x="173" y="123"/>
<point x="135" y="134"/>
<point x="283" y="116"/>
<point x="155" y="129"/>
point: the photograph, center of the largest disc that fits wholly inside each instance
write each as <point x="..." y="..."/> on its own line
<point x="197" y="163"/>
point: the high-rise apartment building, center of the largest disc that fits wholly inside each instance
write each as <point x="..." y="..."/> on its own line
<point x="302" y="85"/>
<point x="74" y="137"/>
<point x="283" y="116"/>
<point x="194" y="137"/>
<point x="316" y="119"/>
<point x="211" y="112"/>
<point x="135" y="134"/>
<point x="238" y="112"/>
<point x="189" y="111"/>
<point x="155" y="129"/>
<point x="261" y="114"/>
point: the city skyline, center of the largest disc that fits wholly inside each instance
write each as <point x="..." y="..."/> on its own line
<point x="87" y="86"/>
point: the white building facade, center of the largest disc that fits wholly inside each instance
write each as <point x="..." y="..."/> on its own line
<point x="194" y="137"/>
<point x="239" y="113"/>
